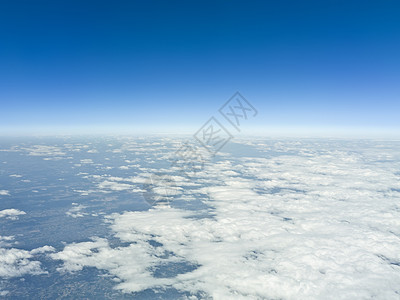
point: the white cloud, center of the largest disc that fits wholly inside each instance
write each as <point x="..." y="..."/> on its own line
<point x="107" y="184"/>
<point x="17" y="262"/>
<point x="76" y="211"/>
<point x="311" y="221"/>
<point x="11" y="213"/>
<point x="88" y="192"/>
<point x="86" y="161"/>
<point x="121" y="262"/>
<point x="92" y="151"/>
<point x="43" y="249"/>
<point x="43" y="150"/>
<point x="115" y="186"/>
<point x="6" y="241"/>
<point x="4" y="193"/>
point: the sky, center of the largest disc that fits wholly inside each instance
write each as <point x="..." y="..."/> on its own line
<point x="167" y="66"/>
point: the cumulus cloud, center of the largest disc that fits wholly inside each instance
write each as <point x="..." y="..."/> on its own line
<point x="17" y="262"/>
<point x="76" y="211"/>
<point x="121" y="262"/>
<point x="6" y="241"/>
<point x="86" y="161"/>
<point x="44" y="150"/>
<point x="108" y="184"/>
<point x="309" y="220"/>
<point x="43" y="249"/>
<point x="115" y="186"/>
<point x="4" y="193"/>
<point x="87" y="192"/>
<point x="11" y="213"/>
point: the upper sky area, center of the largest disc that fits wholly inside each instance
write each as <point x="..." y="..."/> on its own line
<point x="307" y="66"/>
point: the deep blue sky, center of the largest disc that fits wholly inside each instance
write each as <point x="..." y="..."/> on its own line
<point x="169" y="65"/>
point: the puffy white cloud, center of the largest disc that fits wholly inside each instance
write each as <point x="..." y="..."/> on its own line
<point x="11" y="213"/>
<point x="115" y="186"/>
<point x="43" y="249"/>
<point x="4" y="193"/>
<point x="76" y="211"/>
<point x="44" y="150"/>
<point x="6" y="241"/>
<point x="107" y="184"/>
<point x="310" y="220"/>
<point x="15" y="176"/>
<point x="17" y="262"/>
<point x="123" y="262"/>
<point x="86" y="161"/>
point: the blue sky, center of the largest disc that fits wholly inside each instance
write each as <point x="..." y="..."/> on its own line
<point x="160" y="66"/>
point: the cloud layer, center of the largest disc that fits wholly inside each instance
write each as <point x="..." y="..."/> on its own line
<point x="301" y="220"/>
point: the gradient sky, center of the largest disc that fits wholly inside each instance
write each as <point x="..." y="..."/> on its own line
<point x="169" y="65"/>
